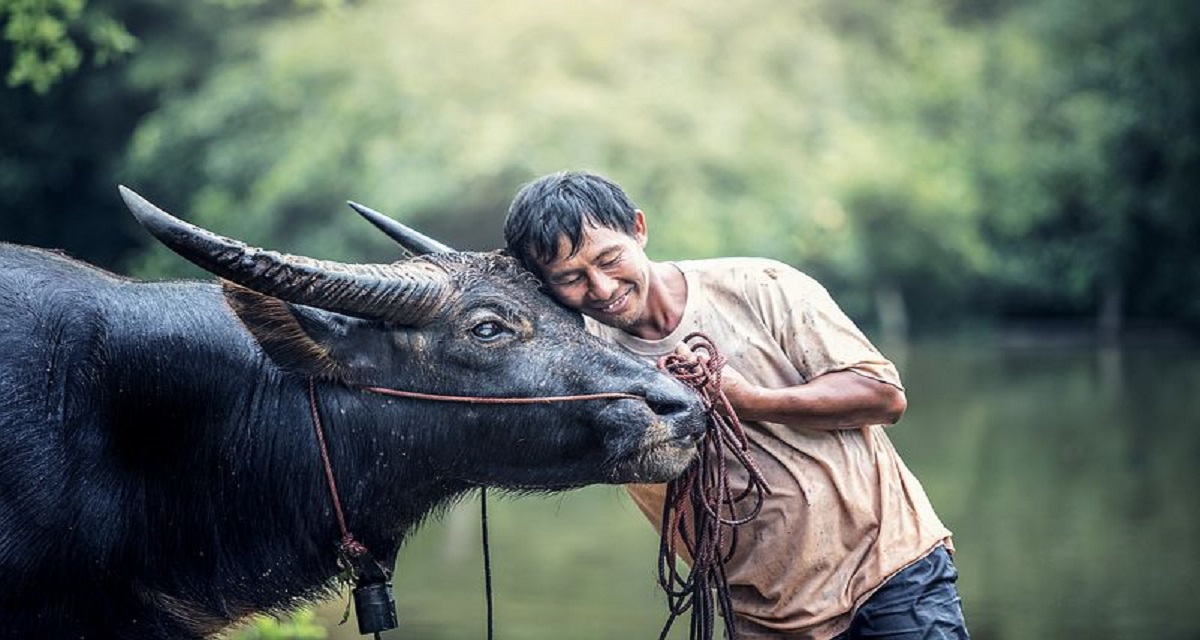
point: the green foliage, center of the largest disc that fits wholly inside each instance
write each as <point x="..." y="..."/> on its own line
<point x="970" y="158"/>
<point x="729" y="153"/>
<point x="62" y="150"/>
<point x="1080" y="157"/>
<point x="38" y="32"/>
<point x="49" y="38"/>
<point x="300" y="626"/>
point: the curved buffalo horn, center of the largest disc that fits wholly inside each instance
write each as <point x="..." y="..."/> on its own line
<point x="404" y="293"/>
<point x="412" y="240"/>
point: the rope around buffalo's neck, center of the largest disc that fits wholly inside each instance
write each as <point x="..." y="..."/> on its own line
<point x="705" y="494"/>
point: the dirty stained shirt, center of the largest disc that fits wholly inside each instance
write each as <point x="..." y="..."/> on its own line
<point x="845" y="513"/>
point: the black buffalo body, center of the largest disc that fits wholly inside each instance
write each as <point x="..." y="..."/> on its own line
<point x="160" y="476"/>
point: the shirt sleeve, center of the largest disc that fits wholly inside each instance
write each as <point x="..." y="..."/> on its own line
<point x="817" y="336"/>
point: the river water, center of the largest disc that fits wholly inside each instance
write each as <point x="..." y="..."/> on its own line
<point x="1069" y="474"/>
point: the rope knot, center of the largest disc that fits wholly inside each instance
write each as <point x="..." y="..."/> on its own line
<point x="698" y="364"/>
<point x="350" y="547"/>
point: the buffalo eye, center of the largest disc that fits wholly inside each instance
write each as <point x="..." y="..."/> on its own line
<point x="488" y="330"/>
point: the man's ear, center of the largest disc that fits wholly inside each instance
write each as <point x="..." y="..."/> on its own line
<point x="639" y="227"/>
<point x="297" y="338"/>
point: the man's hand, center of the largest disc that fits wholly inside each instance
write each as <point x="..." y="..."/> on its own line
<point x="734" y="385"/>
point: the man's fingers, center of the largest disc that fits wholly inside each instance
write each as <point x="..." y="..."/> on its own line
<point x="685" y="355"/>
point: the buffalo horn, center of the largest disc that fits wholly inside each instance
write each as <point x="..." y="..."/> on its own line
<point x="410" y="239"/>
<point x="404" y="292"/>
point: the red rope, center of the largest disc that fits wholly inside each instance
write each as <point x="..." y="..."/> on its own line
<point x="704" y="493"/>
<point x="349" y="545"/>
<point x="494" y="400"/>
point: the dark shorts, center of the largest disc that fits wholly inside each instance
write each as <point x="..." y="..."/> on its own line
<point x="919" y="603"/>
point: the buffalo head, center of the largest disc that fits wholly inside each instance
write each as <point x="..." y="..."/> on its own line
<point x="457" y="323"/>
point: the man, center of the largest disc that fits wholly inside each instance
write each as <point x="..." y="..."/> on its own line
<point x="847" y="544"/>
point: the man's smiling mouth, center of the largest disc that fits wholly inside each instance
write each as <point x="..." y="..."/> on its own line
<point x="615" y="304"/>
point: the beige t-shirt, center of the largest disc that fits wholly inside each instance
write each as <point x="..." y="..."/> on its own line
<point x="844" y="513"/>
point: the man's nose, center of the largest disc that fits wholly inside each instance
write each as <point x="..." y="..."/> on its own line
<point x="602" y="285"/>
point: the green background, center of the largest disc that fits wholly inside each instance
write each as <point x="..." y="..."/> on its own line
<point x="1003" y="194"/>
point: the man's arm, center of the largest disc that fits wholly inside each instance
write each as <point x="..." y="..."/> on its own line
<point x="836" y="400"/>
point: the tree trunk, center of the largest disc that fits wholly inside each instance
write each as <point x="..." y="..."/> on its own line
<point x="1109" y="319"/>
<point x="893" y="314"/>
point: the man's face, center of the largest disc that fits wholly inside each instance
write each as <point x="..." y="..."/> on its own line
<point x="607" y="278"/>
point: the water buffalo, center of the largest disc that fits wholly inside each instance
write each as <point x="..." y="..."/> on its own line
<point x="160" y="474"/>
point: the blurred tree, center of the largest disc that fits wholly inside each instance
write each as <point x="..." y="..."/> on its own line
<point x="930" y="159"/>
<point x="896" y="166"/>
<point x="712" y="116"/>
<point x="47" y="38"/>
<point x="1088" y="160"/>
<point x="67" y="125"/>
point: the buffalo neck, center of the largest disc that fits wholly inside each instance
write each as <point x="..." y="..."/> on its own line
<point x="225" y="446"/>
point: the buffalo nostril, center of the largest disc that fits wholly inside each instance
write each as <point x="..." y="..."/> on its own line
<point x="683" y="411"/>
<point x="667" y="406"/>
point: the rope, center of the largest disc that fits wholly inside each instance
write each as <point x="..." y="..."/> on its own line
<point x="437" y="397"/>
<point x="704" y="495"/>
<point x="354" y="555"/>
<point x="349" y="546"/>
<point x="487" y="560"/>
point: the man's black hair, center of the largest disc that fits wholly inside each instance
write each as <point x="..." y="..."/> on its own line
<point x="559" y="205"/>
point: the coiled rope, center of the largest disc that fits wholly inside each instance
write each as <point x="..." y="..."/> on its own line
<point x="702" y="509"/>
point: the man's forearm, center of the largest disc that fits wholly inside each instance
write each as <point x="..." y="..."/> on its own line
<point x="838" y="400"/>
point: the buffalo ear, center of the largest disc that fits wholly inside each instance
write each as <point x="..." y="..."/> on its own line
<point x="292" y="340"/>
